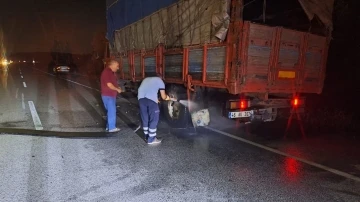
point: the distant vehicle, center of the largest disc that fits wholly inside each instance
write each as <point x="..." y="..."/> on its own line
<point x="5" y="62"/>
<point x="4" y="65"/>
<point x="61" y="65"/>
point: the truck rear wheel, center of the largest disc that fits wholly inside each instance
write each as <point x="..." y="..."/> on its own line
<point x="176" y="114"/>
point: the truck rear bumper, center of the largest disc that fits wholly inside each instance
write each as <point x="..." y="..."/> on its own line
<point x="264" y="115"/>
<point x="264" y="110"/>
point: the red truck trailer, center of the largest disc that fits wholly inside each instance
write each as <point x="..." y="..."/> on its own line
<point x="202" y="44"/>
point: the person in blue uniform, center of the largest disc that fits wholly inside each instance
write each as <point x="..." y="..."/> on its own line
<point x="149" y="108"/>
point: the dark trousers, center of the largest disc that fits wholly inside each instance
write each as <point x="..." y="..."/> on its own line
<point x="149" y="112"/>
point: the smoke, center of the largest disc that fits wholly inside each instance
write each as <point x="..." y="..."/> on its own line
<point x="188" y="104"/>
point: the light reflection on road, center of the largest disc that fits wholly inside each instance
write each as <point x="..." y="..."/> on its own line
<point x="292" y="169"/>
<point x="4" y="78"/>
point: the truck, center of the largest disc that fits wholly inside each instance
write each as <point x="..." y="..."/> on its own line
<point x="200" y="45"/>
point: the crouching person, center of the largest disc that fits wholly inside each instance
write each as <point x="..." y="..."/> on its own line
<point x="149" y="108"/>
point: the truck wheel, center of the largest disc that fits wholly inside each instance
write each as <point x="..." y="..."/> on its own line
<point x="176" y="114"/>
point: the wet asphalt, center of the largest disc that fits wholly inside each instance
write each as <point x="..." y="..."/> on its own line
<point x="73" y="159"/>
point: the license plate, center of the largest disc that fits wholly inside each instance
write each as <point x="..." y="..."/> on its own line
<point x="243" y="114"/>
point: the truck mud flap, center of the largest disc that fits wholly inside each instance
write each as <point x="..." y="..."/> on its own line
<point x="264" y="115"/>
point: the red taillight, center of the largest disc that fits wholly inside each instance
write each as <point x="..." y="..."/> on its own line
<point x="295" y="102"/>
<point x="238" y="104"/>
<point x="243" y="104"/>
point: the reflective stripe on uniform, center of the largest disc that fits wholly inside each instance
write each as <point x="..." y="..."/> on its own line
<point x="146" y="130"/>
<point x="152" y="132"/>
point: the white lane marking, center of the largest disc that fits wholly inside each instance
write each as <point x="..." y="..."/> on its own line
<point x="22" y="100"/>
<point x="78" y="83"/>
<point x="17" y="93"/>
<point x="35" y="116"/>
<point x="22" y="77"/>
<point x="81" y="84"/>
<point x="70" y="81"/>
<point x="119" y="97"/>
<point x="24" y="84"/>
<point x="338" y="172"/>
<point x="80" y="75"/>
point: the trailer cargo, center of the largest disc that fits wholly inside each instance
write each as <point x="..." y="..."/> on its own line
<point x="202" y="44"/>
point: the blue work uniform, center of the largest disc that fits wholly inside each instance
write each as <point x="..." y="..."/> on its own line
<point x="149" y="108"/>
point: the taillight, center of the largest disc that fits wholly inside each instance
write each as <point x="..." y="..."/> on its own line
<point x="243" y="104"/>
<point x="295" y="102"/>
<point x="238" y="104"/>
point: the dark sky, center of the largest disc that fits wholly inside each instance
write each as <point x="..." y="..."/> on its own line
<point x="32" y="25"/>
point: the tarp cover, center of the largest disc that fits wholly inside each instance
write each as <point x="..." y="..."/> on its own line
<point x="123" y="13"/>
<point x="188" y="22"/>
<point x="120" y="13"/>
<point x="321" y="8"/>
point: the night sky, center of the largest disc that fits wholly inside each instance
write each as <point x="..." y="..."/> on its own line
<point x="32" y="25"/>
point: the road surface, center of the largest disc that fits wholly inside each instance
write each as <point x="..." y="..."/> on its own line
<point x="53" y="148"/>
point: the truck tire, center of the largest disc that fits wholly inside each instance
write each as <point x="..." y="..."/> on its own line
<point x="176" y="114"/>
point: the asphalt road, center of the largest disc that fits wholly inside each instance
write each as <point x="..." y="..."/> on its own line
<point x="57" y="150"/>
<point x="59" y="104"/>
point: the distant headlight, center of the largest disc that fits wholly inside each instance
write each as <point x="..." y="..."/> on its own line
<point x="5" y="62"/>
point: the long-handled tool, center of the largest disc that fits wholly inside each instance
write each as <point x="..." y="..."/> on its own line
<point x="137" y="128"/>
